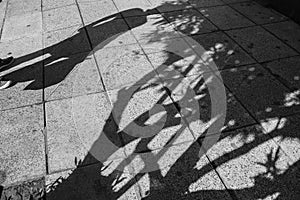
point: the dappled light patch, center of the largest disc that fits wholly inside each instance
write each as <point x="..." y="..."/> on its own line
<point x="292" y="99"/>
<point x="272" y="124"/>
<point x="189" y="22"/>
<point x="153" y="128"/>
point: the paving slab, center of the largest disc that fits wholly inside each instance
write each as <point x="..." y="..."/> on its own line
<point x="189" y="22"/>
<point x="124" y="65"/>
<point x="287" y="31"/>
<point x="189" y="94"/>
<point x="135" y="5"/>
<point x="23" y="92"/>
<point x="91" y="182"/>
<point x="258" y="13"/>
<point x="60" y="18"/>
<point x="251" y="164"/>
<point x="2" y="13"/>
<point x="169" y="5"/>
<point x="285" y="133"/>
<point x="93" y="11"/>
<point x="22" y="144"/>
<point x="224" y="17"/>
<point x="255" y="40"/>
<point x="221" y="50"/>
<point x="286" y="70"/>
<point x="234" y="1"/>
<point x="117" y="34"/>
<point x="236" y="115"/>
<point x="144" y="56"/>
<point x="205" y="3"/>
<point x="33" y="189"/>
<point x="26" y="25"/>
<point x="50" y="4"/>
<point x="151" y="28"/>
<point x="193" y="94"/>
<point x="174" y="44"/>
<point x="263" y="95"/>
<point x="77" y="130"/>
<point x="21" y="47"/>
<point x="78" y="75"/>
<point x="20" y="7"/>
<point x="147" y="119"/>
<point x="81" y="1"/>
<point x="67" y="41"/>
<point x="27" y="67"/>
<point x="170" y="65"/>
<point x="177" y="172"/>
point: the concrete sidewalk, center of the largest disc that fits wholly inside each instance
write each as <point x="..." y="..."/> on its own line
<point x="91" y="76"/>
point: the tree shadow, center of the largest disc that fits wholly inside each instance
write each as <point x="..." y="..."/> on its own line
<point x="112" y="181"/>
<point x="175" y="183"/>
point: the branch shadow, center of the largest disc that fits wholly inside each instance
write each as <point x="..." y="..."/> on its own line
<point x="172" y="182"/>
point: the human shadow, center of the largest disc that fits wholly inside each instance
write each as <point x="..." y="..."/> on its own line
<point x="176" y="182"/>
<point x="110" y="180"/>
<point x="52" y="64"/>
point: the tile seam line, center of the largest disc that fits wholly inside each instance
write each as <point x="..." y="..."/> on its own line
<point x="238" y="100"/>
<point x="91" y="46"/>
<point x="264" y="24"/>
<point x="267" y="61"/>
<point x="235" y="28"/>
<point x="256" y="62"/>
<point x="251" y="56"/>
<point x="101" y="92"/>
<point x="229" y="191"/>
<point x="77" y="167"/>
<point x="231" y="194"/>
<point x="4" y="19"/>
<point x="249" y="125"/>
<point x="75" y="96"/>
<point x="211" y="6"/>
<point x="26" y="180"/>
<point x="187" y="125"/>
<point x="22" y="106"/>
<point x="161" y="81"/>
<point x="45" y="133"/>
<point x="258" y="122"/>
<point x="49" y="9"/>
<point x="295" y="50"/>
<point x="136" y="188"/>
<point x="271" y="7"/>
<point x="244" y="106"/>
<point x="255" y="24"/>
<point x="61" y="29"/>
<point x="46" y="99"/>
<point x="115" y="88"/>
